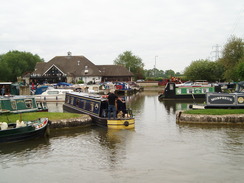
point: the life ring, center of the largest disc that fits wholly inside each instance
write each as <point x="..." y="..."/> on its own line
<point x="126" y="123"/>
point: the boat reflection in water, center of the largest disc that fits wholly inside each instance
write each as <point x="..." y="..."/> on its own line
<point x="175" y="105"/>
<point x="20" y="148"/>
<point x="113" y="146"/>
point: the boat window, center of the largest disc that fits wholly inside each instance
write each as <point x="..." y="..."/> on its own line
<point x="13" y="104"/>
<point x="205" y="90"/>
<point x="72" y="100"/>
<point x="52" y="92"/>
<point x="171" y="86"/>
<point x="84" y="104"/>
<point x="92" y="104"/>
<point x="28" y="103"/>
<point x="77" y="102"/>
<point x="178" y="91"/>
<point x="67" y="99"/>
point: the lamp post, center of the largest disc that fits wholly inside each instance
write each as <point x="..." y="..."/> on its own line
<point x="155" y="66"/>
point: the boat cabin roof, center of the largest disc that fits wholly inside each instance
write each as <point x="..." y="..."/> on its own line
<point x="16" y="97"/>
<point x="88" y="95"/>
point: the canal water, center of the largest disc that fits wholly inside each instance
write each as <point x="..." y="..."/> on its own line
<point x="157" y="150"/>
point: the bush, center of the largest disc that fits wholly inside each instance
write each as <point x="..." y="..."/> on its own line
<point x="80" y="82"/>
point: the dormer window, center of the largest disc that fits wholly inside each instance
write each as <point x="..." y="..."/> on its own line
<point x="86" y="69"/>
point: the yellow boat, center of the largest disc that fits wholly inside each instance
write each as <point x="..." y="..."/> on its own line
<point x="121" y="123"/>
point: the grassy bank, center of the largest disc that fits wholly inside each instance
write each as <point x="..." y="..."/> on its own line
<point x="9" y="118"/>
<point x="215" y="111"/>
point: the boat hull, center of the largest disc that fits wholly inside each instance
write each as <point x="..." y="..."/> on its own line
<point x="225" y="100"/>
<point x="121" y="123"/>
<point x="118" y="123"/>
<point x="182" y="97"/>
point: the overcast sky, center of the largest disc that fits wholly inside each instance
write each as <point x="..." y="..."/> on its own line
<point x="171" y="32"/>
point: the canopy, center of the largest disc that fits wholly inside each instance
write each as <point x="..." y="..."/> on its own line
<point x="64" y="84"/>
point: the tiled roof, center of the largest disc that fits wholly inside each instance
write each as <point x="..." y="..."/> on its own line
<point x="114" y="70"/>
<point x="76" y="66"/>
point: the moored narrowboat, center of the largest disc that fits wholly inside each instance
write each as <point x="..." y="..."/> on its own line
<point x="96" y="106"/>
<point x="20" y="104"/>
<point x="24" y="130"/>
<point x="216" y="100"/>
<point x="173" y="92"/>
<point x="224" y="100"/>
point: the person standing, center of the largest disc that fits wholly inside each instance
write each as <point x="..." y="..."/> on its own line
<point x="3" y="90"/>
<point x="121" y="106"/>
<point x="112" y="98"/>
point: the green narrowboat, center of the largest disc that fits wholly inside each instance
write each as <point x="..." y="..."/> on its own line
<point x="19" y="104"/>
<point x="15" y="132"/>
<point x="172" y="91"/>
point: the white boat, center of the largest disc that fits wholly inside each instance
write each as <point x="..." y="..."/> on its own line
<point x="51" y="95"/>
<point x="92" y="89"/>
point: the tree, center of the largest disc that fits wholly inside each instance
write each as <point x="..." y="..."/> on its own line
<point x="15" y="63"/>
<point x="240" y="70"/>
<point x="131" y="62"/>
<point x="169" y="73"/>
<point x="204" y="70"/>
<point x="233" y="53"/>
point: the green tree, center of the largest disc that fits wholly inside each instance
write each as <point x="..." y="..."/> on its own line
<point x="240" y="70"/>
<point x="131" y="62"/>
<point x="15" y="63"/>
<point x="204" y="70"/>
<point x="233" y="53"/>
<point x="169" y="73"/>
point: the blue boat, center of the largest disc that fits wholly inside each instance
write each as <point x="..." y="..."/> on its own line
<point x="96" y="107"/>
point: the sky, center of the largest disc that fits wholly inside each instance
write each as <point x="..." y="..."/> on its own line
<point x="166" y="34"/>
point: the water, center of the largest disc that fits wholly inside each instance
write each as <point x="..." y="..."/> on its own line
<point x="158" y="150"/>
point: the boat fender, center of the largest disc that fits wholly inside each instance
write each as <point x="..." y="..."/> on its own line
<point x="126" y="123"/>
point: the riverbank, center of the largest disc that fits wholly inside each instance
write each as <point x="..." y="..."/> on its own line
<point x="83" y="121"/>
<point x="182" y="117"/>
<point x="57" y="120"/>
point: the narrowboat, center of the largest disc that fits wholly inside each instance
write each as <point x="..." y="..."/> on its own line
<point x="225" y="100"/>
<point x="20" y="104"/>
<point x="96" y="106"/>
<point x="20" y="131"/>
<point x="174" y="92"/>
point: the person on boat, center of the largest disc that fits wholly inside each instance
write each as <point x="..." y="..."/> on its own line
<point x="121" y="106"/>
<point x="112" y="98"/>
<point x="3" y="90"/>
